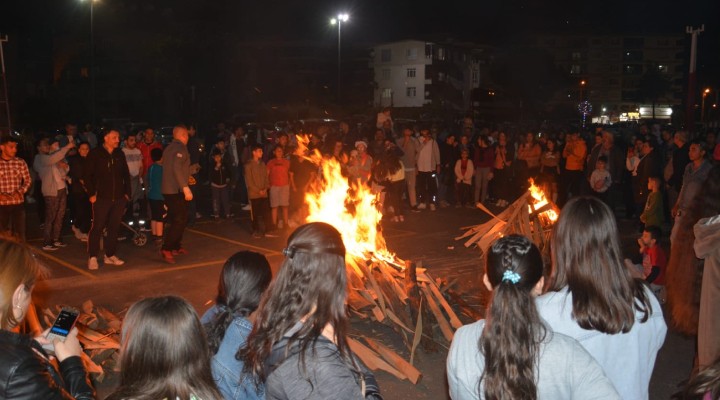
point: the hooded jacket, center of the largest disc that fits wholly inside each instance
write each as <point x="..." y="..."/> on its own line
<point x="107" y="175"/>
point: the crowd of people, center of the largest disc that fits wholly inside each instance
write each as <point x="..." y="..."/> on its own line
<point x="590" y="327"/>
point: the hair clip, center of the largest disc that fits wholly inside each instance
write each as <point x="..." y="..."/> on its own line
<point x="511" y="276"/>
<point x="289" y="252"/>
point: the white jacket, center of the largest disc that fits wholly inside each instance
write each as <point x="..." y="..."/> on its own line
<point x="467" y="177"/>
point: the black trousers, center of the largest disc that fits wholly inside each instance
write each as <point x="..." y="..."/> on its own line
<point x="12" y="220"/>
<point x="82" y="211"/>
<point x="108" y="214"/>
<point x="177" y="217"/>
<point x="261" y="214"/>
<point x="426" y="187"/>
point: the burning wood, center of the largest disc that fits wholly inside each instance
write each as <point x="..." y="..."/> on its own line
<point x="532" y="215"/>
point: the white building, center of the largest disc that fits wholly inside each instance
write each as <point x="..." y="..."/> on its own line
<point x="400" y="69"/>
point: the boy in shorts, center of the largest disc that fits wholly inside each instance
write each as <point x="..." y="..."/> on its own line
<point x="279" y="174"/>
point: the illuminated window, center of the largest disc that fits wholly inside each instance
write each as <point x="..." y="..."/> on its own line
<point x="410" y="91"/>
<point x="410" y="72"/>
<point x="576" y="55"/>
<point x="575" y="69"/>
<point x="441" y="54"/>
<point x="663" y="69"/>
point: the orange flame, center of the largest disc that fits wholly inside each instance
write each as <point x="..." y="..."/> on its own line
<point x="540" y="201"/>
<point x="351" y="208"/>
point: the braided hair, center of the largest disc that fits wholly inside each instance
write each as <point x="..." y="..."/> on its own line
<point x="513" y="328"/>
<point x="243" y="279"/>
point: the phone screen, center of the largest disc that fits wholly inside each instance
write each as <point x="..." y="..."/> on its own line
<point x="64" y="323"/>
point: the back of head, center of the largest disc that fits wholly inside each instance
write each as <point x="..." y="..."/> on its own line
<point x="513" y="329"/>
<point x="587" y="260"/>
<point x="17" y="267"/>
<point x="164" y="353"/>
<point x="311" y="284"/>
<point x="244" y="278"/>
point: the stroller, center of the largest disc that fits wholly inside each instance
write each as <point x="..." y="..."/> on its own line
<point x="139" y="238"/>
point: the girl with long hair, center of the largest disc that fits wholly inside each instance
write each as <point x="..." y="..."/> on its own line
<point x="25" y="368"/>
<point x="512" y="354"/>
<point x="298" y="346"/>
<point x="593" y="298"/>
<point x="164" y="353"/>
<point x="243" y="279"/>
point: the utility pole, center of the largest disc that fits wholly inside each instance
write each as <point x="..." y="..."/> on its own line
<point x="690" y="105"/>
<point x="5" y="125"/>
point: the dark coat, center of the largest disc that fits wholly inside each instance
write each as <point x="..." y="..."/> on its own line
<point x="107" y="175"/>
<point x="25" y="374"/>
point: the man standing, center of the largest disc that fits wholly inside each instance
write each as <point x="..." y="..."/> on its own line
<point x="14" y="182"/>
<point x="146" y="145"/>
<point x="236" y="146"/>
<point x="52" y="169"/>
<point x="428" y="163"/>
<point x="410" y="146"/>
<point x="176" y="191"/>
<point x="694" y="177"/>
<point x="679" y="160"/>
<point x="107" y="181"/>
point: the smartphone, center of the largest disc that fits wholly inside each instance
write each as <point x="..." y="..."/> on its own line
<point x="64" y="322"/>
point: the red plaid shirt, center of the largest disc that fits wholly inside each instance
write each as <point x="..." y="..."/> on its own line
<point x="14" y="181"/>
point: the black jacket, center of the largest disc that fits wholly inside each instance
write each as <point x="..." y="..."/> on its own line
<point x="107" y="175"/>
<point x="26" y="375"/>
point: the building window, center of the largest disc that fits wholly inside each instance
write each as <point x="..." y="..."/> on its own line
<point x="441" y="76"/>
<point x="634" y="42"/>
<point x="663" y="42"/>
<point x="632" y="69"/>
<point x="428" y="50"/>
<point x="441" y="54"/>
<point x="475" y="76"/>
<point x="386" y="93"/>
<point x="576" y="55"/>
<point x="411" y="53"/>
<point x="411" y="72"/>
<point x="410" y="91"/>
<point x="663" y="69"/>
<point x="575" y="69"/>
<point x="633" y="55"/>
<point x="386" y="74"/>
<point x="385" y="55"/>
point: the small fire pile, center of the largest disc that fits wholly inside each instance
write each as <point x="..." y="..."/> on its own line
<point x="382" y="286"/>
<point x="531" y="215"/>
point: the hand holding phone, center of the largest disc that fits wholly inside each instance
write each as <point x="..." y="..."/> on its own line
<point x="61" y="339"/>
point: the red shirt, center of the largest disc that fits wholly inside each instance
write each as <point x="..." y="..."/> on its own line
<point x="657" y="259"/>
<point x="278" y="171"/>
<point x="145" y="149"/>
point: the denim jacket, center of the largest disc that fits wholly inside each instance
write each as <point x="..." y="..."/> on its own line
<point x="226" y="369"/>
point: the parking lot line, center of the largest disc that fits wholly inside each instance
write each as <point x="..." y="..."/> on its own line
<point x="65" y="264"/>
<point x="210" y="235"/>
<point x="190" y="266"/>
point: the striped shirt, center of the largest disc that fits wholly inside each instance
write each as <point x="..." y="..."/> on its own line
<point x="14" y="180"/>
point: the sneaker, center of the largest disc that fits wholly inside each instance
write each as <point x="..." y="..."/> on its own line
<point x="92" y="263"/>
<point x="432" y="207"/>
<point x="246" y="207"/>
<point x="84" y="237"/>
<point x="167" y="256"/>
<point x="113" y="260"/>
<point x="179" y="252"/>
<point x="422" y="206"/>
<point x="444" y="203"/>
<point x="49" y="247"/>
<point x="59" y="243"/>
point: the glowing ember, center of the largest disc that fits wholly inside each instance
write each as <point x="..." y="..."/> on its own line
<point x="351" y="209"/>
<point x="540" y="201"/>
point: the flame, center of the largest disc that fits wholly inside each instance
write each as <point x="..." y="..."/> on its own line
<point x="540" y="201"/>
<point x="351" y="208"/>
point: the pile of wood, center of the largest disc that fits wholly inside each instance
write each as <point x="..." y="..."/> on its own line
<point x="404" y="297"/>
<point x="521" y="217"/>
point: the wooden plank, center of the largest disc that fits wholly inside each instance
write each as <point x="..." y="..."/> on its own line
<point x="372" y="360"/>
<point x="442" y="322"/>
<point x="395" y="360"/>
<point x="377" y="312"/>
<point x="454" y="320"/>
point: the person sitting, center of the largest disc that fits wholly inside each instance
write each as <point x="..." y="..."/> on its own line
<point x="298" y="346"/>
<point x="243" y="279"/>
<point x="25" y="368"/>
<point x="518" y="356"/>
<point x="164" y="353"/>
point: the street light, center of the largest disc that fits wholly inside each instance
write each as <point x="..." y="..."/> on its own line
<point x="339" y="21"/>
<point x="92" y="61"/>
<point x="582" y="87"/>
<point x="702" y="107"/>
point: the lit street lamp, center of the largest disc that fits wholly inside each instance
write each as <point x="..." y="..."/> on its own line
<point x="339" y="21"/>
<point x="702" y="107"/>
<point x="92" y="61"/>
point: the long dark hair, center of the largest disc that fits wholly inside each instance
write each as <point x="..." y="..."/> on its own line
<point x="513" y="328"/>
<point x="164" y="354"/>
<point x="587" y="260"/>
<point x="311" y="284"/>
<point x="244" y="278"/>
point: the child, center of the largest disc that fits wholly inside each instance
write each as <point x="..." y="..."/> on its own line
<point x="220" y="185"/>
<point x="157" y="202"/>
<point x="653" y="264"/>
<point x="464" y="170"/>
<point x="600" y="179"/>
<point x="279" y="173"/>
<point x="653" y="214"/>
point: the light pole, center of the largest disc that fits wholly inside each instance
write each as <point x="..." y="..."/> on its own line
<point x="702" y="106"/>
<point x="92" y="61"/>
<point x="339" y="21"/>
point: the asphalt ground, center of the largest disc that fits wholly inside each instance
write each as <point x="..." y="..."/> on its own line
<point x="426" y="236"/>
